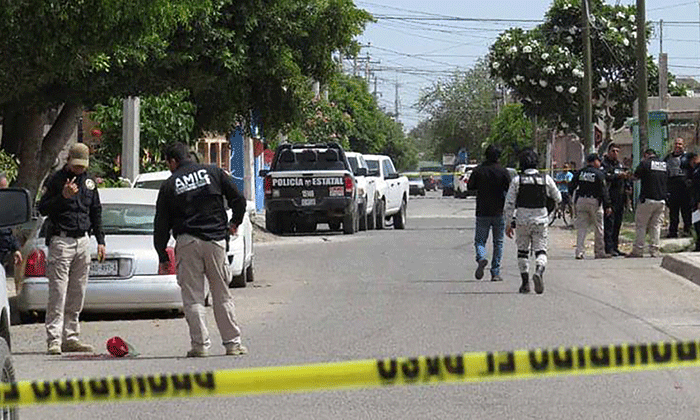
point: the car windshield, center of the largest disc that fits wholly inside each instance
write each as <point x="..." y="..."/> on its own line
<point x="149" y="185"/>
<point x="128" y="219"/>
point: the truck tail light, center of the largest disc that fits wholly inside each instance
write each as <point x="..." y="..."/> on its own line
<point x="268" y="185"/>
<point x="171" y="267"/>
<point x="36" y="264"/>
<point x="349" y="184"/>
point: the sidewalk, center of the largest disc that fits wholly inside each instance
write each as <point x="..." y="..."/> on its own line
<point x="676" y="259"/>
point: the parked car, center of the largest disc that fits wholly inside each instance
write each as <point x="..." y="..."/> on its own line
<point x="392" y="191"/>
<point x="130" y="278"/>
<point x="151" y="180"/>
<point x="366" y="190"/>
<point x="15" y="209"/>
<point x="461" y="179"/>
<point x="309" y="184"/>
<point x="416" y="186"/>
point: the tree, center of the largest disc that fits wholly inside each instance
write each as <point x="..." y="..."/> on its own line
<point x="511" y="131"/>
<point x="544" y="66"/>
<point x="234" y="58"/>
<point x="352" y="117"/>
<point x="59" y="56"/>
<point x="164" y="119"/>
<point x="461" y="109"/>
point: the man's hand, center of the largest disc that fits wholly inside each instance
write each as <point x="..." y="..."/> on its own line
<point x="18" y="257"/>
<point x="233" y="229"/>
<point x="101" y="253"/>
<point x="69" y="188"/>
<point x="509" y="232"/>
<point x="608" y="211"/>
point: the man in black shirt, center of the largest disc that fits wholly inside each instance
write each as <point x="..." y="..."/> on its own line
<point x="491" y="182"/>
<point x="591" y="198"/>
<point x="616" y="177"/>
<point x="652" y="172"/>
<point x="679" y="173"/>
<point x="72" y="203"/>
<point x="191" y="205"/>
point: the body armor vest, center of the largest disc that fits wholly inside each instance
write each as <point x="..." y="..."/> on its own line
<point x="532" y="191"/>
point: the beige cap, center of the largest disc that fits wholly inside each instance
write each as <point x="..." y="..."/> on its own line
<point x="79" y="155"/>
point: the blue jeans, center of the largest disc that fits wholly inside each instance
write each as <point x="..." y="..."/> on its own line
<point x="481" y="234"/>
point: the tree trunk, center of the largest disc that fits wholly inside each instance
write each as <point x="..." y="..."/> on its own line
<point x="38" y="153"/>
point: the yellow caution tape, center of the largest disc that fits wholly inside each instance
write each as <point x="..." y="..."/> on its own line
<point x="466" y="367"/>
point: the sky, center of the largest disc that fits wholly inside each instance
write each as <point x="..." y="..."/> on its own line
<point x="410" y="55"/>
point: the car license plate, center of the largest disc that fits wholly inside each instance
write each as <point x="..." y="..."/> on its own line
<point x="307" y="193"/>
<point x="107" y="268"/>
<point x="336" y="191"/>
<point x="308" y="201"/>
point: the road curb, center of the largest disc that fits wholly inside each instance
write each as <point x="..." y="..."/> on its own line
<point x="683" y="266"/>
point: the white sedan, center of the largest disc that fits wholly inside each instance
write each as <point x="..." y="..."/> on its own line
<point x="129" y="279"/>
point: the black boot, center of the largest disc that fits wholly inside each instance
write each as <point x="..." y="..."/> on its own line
<point x="525" y="287"/>
<point x="538" y="279"/>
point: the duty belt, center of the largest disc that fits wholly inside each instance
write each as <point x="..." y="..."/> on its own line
<point x="71" y="233"/>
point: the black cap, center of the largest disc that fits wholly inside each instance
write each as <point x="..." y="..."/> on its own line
<point x="592" y="157"/>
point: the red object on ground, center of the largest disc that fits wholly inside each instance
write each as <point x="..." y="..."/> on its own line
<point x="117" y="347"/>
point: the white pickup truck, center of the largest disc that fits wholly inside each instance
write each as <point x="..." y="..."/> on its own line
<point x="392" y="191"/>
<point x="366" y="191"/>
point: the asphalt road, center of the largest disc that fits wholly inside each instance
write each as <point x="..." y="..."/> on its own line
<point x="333" y="297"/>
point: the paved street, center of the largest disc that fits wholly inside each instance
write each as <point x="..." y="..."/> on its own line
<point x="333" y="297"/>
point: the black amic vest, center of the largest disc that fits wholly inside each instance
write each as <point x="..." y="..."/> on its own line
<point x="531" y="194"/>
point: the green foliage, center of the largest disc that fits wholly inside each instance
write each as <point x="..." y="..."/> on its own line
<point x="461" y="110"/>
<point x="352" y="117"/>
<point x="511" y="131"/>
<point x="8" y="165"/>
<point x="165" y="119"/>
<point x="544" y="66"/>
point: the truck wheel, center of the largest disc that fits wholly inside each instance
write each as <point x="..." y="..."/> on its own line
<point x="350" y="223"/>
<point x="272" y="222"/>
<point x="362" y="213"/>
<point x="372" y="217"/>
<point x="381" y="215"/>
<point x="334" y="225"/>
<point x="400" y="217"/>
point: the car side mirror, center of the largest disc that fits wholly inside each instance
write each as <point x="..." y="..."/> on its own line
<point x="15" y="207"/>
<point x="263" y="172"/>
<point x="361" y="172"/>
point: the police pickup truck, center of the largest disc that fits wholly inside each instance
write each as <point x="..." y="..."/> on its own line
<point x="309" y="184"/>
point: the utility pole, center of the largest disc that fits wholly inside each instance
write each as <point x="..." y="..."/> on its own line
<point x="661" y="36"/>
<point x="643" y="113"/>
<point x="396" y="101"/>
<point x="587" y="89"/>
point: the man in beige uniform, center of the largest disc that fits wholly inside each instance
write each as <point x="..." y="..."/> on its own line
<point x="72" y="204"/>
<point x="652" y="172"/>
<point x="191" y="205"/>
<point x="591" y="198"/>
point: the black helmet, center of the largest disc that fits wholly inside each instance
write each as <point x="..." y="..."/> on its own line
<point x="528" y="159"/>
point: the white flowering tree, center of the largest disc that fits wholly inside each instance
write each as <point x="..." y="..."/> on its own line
<point x="544" y="66"/>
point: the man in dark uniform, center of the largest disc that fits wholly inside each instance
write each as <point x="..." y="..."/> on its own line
<point x="695" y="196"/>
<point x="652" y="172"/>
<point x="491" y="182"/>
<point x="616" y="178"/>
<point x="72" y="204"/>
<point x="678" y="183"/>
<point x="191" y="205"/>
<point x="591" y="198"/>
